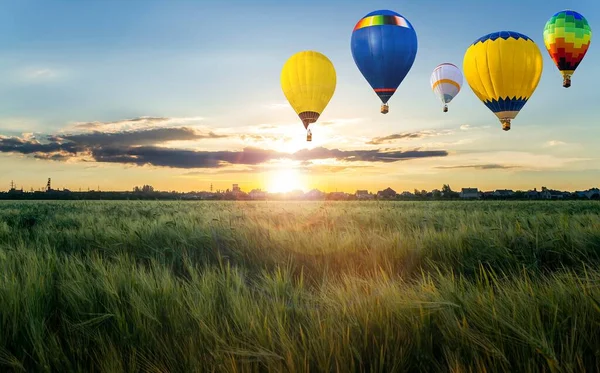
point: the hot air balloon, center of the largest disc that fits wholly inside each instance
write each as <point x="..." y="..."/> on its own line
<point x="446" y="81"/>
<point x="567" y="37"/>
<point x="503" y="69"/>
<point x="308" y="81"/>
<point x="384" y="47"/>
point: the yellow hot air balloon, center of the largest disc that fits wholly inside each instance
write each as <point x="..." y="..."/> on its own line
<point x="503" y="69"/>
<point x="308" y="81"/>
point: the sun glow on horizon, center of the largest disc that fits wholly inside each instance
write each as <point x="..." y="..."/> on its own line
<point x="285" y="180"/>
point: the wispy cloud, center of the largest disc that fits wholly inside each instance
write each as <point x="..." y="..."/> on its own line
<point x="341" y="121"/>
<point x="408" y="135"/>
<point x="133" y="124"/>
<point x="331" y="168"/>
<point x="278" y="105"/>
<point x="555" y="143"/>
<point x="507" y="160"/>
<point x="489" y="166"/>
<point x="38" y="74"/>
<point x="264" y="137"/>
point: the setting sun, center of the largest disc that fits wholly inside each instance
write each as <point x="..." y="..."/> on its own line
<point x="283" y="181"/>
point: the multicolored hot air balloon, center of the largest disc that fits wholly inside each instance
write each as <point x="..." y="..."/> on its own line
<point x="384" y="47"/>
<point x="446" y="81"/>
<point x="567" y="36"/>
<point x="308" y="81"/>
<point x="503" y="69"/>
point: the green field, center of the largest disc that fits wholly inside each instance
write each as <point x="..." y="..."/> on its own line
<point x="300" y="286"/>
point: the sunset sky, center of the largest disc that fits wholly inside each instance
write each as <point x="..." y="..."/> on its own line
<point x="182" y="94"/>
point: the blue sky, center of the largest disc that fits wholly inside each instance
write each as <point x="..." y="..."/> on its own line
<point x="214" y="66"/>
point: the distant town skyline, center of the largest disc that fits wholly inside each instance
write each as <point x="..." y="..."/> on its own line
<point x="237" y="188"/>
<point x="118" y="94"/>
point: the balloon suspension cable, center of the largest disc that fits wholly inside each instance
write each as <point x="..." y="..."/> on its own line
<point x="445" y="108"/>
<point x="505" y="124"/>
<point x="385" y="109"/>
<point x="567" y="81"/>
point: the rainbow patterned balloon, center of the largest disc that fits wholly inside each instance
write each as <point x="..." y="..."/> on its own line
<point x="567" y="37"/>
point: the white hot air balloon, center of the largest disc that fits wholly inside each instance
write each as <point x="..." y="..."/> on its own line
<point x="446" y="81"/>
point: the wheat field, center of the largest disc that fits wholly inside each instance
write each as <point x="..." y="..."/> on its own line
<point x="154" y="286"/>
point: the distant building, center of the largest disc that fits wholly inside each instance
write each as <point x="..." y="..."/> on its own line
<point x="469" y="193"/>
<point x="533" y="194"/>
<point x="314" y="194"/>
<point x="337" y="196"/>
<point x="504" y="193"/>
<point x="364" y="194"/>
<point x="387" y="193"/>
<point x="593" y="193"/>
<point x="551" y="194"/>
<point x="257" y="194"/>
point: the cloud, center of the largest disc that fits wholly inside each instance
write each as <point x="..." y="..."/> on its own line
<point x="132" y="124"/>
<point x="180" y="158"/>
<point x="38" y="74"/>
<point x="468" y="127"/>
<point x="521" y="161"/>
<point x="278" y="105"/>
<point x="408" y="135"/>
<point x="131" y="138"/>
<point x="341" y="122"/>
<point x="143" y="141"/>
<point x="555" y="143"/>
<point x="490" y="166"/>
<point x="32" y="146"/>
<point x="42" y="73"/>
<point x="265" y="137"/>
<point x="327" y="169"/>
<point x="365" y="155"/>
<point x="126" y="150"/>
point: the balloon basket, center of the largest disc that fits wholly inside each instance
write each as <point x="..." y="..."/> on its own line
<point x="309" y="136"/>
<point x="567" y="82"/>
<point x="445" y="108"/>
<point x="385" y="109"/>
<point x="505" y="124"/>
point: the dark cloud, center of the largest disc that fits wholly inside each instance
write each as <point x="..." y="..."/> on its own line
<point x="491" y="166"/>
<point x="178" y="158"/>
<point x="406" y="135"/>
<point x="140" y="137"/>
<point x="17" y="145"/>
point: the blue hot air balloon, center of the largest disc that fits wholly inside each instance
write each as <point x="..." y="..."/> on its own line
<point x="384" y="47"/>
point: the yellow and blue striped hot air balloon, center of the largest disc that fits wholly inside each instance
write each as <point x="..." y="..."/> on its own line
<point x="308" y="81"/>
<point x="503" y="69"/>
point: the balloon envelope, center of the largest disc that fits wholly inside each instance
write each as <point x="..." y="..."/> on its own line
<point x="446" y="81"/>
<point x="384" y="47"/>
<point x="308" y="81"/>
<point x="567" y="37"/>
<point x="503" y="69"/>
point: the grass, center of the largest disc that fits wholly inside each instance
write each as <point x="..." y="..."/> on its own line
<point x="299" y="286"/>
